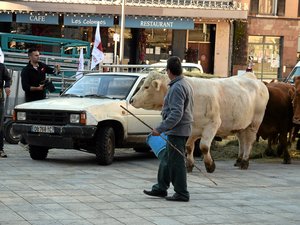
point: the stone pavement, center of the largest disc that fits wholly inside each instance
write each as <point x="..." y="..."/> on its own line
<point x="69" y="188"/>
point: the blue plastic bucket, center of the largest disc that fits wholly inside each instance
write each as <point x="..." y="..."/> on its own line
<point x="157" y="143"/>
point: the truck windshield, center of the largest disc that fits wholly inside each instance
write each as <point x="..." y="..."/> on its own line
<point x="294" y="73"/>
<point x="102" y="86"/>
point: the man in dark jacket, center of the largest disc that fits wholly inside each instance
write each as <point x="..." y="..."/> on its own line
<point x="177" y="113"/>
<point x="33" y="77"/>
<point x="5" y="80"/>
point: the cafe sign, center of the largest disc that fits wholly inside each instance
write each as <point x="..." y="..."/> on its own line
<point x="4" y="17"/>
<point x="37" y="18"/>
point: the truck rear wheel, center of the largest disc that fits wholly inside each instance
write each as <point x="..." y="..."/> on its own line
<point x="37" y="152"/>
<point x="105" y="145"/>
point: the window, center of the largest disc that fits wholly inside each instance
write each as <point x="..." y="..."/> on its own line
<point x="265" y="51"/>
<point x="280" y="7"/>
<point x="267" y="7"/>
<point x="201" y="33"/>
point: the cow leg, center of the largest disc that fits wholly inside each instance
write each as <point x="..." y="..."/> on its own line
<point x="190" y="146"/>
<point x="298" y="144"/>
<point x="282" y="148"/>
<point x="205" y="144"/>
<point x="290" y="137"/>
<point x="246" y="139"/>
<point x="295" y="131"/>
<point x="207" y="137"/>
<point x="241" y="151"/>
<point x="269" y="151"/>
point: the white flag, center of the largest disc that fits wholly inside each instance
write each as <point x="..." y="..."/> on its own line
<point x="1" y="56"/>
<point x="97" y="53"/>
<point x="80" y="67"/>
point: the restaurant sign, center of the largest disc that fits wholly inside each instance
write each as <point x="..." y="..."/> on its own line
<point x="159" y="23"/>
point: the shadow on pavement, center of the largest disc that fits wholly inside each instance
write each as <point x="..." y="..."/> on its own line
<point x="84" y="158"/>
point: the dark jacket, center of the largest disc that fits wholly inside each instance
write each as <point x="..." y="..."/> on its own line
<point x="177" y="111"/>
<point x="32" y="77"/>
<point x="5" y="79"/>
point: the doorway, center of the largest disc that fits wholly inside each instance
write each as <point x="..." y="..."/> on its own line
<point x="201" y="46"/>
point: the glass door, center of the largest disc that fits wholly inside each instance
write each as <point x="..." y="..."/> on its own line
<point x="265" y="52"/>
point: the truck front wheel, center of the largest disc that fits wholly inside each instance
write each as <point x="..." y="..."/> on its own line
<point x="9" y="134"/>
<point x="37" y="152"/>
<point x="105" y="145"/>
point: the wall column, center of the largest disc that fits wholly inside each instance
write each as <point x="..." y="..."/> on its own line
<point x="179" y="43"/>
<point x="222" y="49"/>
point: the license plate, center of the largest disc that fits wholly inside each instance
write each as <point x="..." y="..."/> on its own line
<point x="42" y="129"/>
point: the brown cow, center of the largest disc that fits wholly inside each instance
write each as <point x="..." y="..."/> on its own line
<point x="278" y="118"/>
<point x="296" y="107"/>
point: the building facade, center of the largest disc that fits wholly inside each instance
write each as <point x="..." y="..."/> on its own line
<point x="197" y="31"/>
<point x="221" y="35"/>
<point x="270" y="37"/>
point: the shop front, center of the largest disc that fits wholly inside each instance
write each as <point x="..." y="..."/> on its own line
<point x="156" y="37"/>
<point x="265" y="51"/>
<point x="147" y="39"/>
<point x="197" y="31"/>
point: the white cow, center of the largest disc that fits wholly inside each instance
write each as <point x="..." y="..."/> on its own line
<point x="222" y="107"/>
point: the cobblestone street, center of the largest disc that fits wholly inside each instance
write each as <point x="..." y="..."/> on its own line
<point x="69" y="188"/>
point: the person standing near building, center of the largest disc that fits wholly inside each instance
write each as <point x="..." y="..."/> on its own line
<point x="177" y="114"/>
<point x="5" y="81"/>
<point x="33" y="78"/>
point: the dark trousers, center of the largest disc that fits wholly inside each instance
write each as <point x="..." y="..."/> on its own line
<point x="1" y="123"/>
<point x="172" y="167"/>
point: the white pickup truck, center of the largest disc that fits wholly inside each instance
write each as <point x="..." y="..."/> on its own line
<point x="88" y="117"/>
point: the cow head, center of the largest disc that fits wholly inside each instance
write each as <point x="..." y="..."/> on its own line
<point x="296" y="101"/>
<point x="151" y="94"/>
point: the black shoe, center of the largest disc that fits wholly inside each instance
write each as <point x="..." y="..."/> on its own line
<point x="161" y="194"/>
<point x="177" y="197"/>
<point x="2" y="154"/>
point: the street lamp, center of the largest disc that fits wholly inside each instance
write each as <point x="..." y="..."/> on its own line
<point x="116" y="40"/>
<point x="122" y="32"/>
